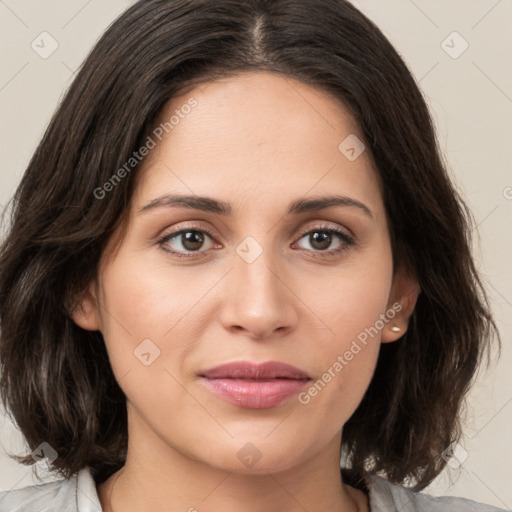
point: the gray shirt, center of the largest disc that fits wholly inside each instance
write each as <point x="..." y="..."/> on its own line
<point x="78" y="494"/>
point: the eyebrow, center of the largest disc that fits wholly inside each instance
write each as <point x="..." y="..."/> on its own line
<point x="208" y="204"/>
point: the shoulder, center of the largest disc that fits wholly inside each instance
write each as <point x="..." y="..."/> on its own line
<point x="388" y="497"/>
<point x="74" y="494"/>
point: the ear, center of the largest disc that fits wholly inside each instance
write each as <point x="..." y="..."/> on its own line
<point x="86" y="309"/>
<point x="402" y="300"/>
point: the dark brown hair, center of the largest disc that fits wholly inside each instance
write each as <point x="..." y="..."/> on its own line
<point x="56" y="377"/>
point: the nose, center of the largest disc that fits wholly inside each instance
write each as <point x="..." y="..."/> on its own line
<point x="258" y="302"/>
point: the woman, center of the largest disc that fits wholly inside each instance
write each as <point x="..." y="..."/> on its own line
<point x="235" y="256"/>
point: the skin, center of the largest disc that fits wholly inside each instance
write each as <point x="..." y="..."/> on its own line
<point x="258" y="141"/>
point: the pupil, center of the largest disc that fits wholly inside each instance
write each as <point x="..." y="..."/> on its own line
<point x="192" y="240"/>
<point x="321" y="240"/>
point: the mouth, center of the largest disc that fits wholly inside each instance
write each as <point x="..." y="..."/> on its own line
<point x="255" y="386"/>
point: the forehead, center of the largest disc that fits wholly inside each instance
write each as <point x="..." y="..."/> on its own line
<point x="257" y="135"/>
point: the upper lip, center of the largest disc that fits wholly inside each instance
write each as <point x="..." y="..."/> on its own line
<point x="248" y="370"/>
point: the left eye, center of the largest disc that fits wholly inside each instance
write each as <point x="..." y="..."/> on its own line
<point x="320" y="240"/>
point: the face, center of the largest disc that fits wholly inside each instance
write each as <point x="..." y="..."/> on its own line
<point x="261" y="271"/>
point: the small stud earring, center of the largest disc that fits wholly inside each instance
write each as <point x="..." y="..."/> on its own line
<point x="395" y="328"/>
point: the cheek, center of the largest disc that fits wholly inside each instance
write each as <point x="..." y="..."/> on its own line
<point x="147" y="325"/>
<point x="152" y="320"/>
<point x="351" y="307"/>
<point x="149" y="301"/>
<point x="350" y="302"/>
<point x="346" y="367"/>
<point x="136" y="312"/>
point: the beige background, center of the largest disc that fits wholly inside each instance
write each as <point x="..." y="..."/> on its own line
<point x="471" y="100"/>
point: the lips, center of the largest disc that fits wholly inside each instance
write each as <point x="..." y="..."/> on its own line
<point x="255" y="386"/>
<point x="246" y="370"/>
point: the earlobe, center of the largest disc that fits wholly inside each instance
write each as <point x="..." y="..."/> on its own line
<point x="85" y="312"/>
<point x="403" y="297"/>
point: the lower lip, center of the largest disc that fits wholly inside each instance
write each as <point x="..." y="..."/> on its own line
<point x="254" y="394"/>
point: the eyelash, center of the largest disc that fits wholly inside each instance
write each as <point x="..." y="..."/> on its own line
<point x="346" y="239"/>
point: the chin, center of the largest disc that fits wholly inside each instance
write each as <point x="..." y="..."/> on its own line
<point x="255" y="458"/>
